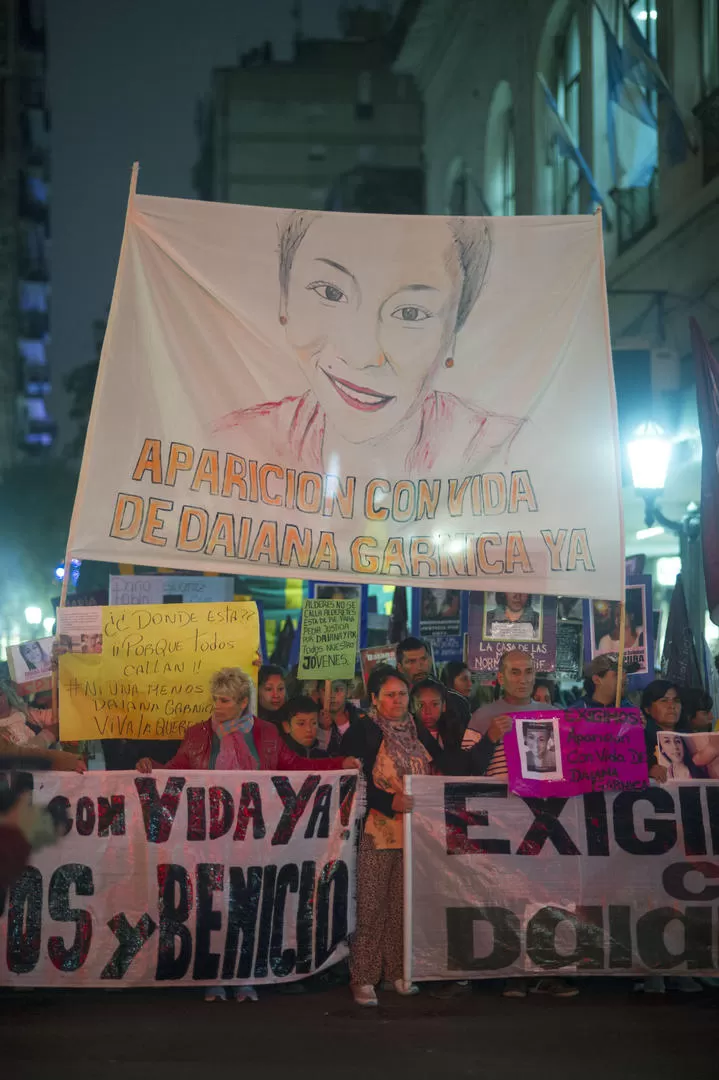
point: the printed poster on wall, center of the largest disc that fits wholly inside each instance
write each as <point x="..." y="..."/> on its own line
<point x="355" y="400"/>
<point x="500" y="622"/>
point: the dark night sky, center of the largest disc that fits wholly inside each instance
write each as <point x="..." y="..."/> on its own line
<point x="123" y="82"/>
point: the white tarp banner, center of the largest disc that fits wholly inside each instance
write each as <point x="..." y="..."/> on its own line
<point x="337" y="396"/>
<point x="601" y="883"/>
<point x="185" y="879"/>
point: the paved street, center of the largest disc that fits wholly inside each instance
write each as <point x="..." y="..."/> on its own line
<point x="607" y="1032"/>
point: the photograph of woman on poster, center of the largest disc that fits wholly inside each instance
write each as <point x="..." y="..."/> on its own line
<point x="604" y="629"/>
<point x="440" y="604"/>
<point x="512" y="617"/>
<point x="674" y="753"/>
<point x="372" y="319"/>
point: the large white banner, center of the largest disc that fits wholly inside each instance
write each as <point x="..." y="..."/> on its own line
<point x="334" y="396"/>
<point x="601" y="883"/>
<point x="185" y="879"/>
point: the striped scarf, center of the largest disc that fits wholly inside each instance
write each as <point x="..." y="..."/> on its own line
<point x="242" y="723"/>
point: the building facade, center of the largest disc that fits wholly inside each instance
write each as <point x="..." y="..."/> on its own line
<point x="25" y="425"/>
<point x="487" y="151"/>
<point x="334" y="126"/>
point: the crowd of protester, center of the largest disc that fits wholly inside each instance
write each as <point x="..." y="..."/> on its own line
<point x="404" y="721"/>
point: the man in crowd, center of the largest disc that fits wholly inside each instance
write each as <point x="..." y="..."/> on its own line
<point x="414" y="660"/>
<point x="491" y="723"/>
<point x="600" y="685"/>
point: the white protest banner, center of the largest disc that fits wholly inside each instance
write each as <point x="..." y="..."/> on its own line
<point x="185" y="879"/>
<point x="356" y="397"/>
<point x="602" y="883"/>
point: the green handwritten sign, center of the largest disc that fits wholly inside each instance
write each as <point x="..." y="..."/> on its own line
<point x="328" y="646"/>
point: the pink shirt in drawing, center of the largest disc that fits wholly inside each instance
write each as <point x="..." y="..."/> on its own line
<point x="450" y="433"/>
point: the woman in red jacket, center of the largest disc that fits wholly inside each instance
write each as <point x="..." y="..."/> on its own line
<point x="233" y="738"/>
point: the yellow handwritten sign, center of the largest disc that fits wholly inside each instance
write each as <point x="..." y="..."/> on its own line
<point x="151" y="679"/>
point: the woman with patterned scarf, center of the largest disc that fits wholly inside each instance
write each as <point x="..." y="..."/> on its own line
<point x="233" y="738"/>
<point x="391" y="746"/>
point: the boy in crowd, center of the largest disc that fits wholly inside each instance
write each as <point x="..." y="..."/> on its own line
<point x="300" y="727"/>
<point x="342" y="714"/>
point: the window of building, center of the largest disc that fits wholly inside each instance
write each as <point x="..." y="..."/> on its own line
<point x="364" y="107"/>
<point x="708" y="108"/>
<point x="709" y="46"/>
<point x="509" y="173"/>
<point x="499" y="154"/>
<point x="457" y="190"/>
<point x="568" y="88"/>
<point x="636" y="207"/>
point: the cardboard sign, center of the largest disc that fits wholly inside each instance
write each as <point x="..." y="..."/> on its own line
<point x="500" y="622"/>
<point x="330" y="631"/>
<point x="374" y="656"/>
<point x="150" y="679"/>
<point x="569" y="753"/>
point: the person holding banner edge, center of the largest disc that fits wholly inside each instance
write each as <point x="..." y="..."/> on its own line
<point x="232" y="738"/>
<point x="516" y="678"/>
<point x="391" y="744"/>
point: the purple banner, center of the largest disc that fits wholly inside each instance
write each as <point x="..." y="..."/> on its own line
<point x="570" y="753"/>
<point x="500" y="622"/>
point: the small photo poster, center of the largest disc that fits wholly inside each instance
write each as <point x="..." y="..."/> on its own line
<point x="440" y="616"/>
<point x="30" y="662"/>
<point x="539" y="749"/>
<point x="512" y="617"/>
<point x="500" y="622"/>
<point x="602" y="630"/>
<point x="79" y="630"/>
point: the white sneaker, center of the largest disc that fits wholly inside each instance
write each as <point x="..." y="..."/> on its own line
<point x="245" y="993"/>
<point x="364" y="995"/>
<point x="654" y="984"/>
<point x="406" y="989"/>
<point x="215" y="993"/>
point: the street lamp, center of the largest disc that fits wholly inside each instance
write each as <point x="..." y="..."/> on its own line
<point x="649" y="453"/>
<point x="33" y="616"/>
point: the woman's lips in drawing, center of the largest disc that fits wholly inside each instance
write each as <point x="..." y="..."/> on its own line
<point x="359" y="397"/>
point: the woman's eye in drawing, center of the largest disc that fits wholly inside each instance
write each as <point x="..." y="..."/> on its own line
<point x="326" y="291"/>
<point x="409" y="313"/>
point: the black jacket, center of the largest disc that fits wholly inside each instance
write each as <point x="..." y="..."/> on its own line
<point x="334" y="747"/>
<point x="304" y="751"/>
<point x="363" y="740"/>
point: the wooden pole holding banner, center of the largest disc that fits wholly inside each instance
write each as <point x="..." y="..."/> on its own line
<point x="620" y="658"/>
<point x="328" y="695"/>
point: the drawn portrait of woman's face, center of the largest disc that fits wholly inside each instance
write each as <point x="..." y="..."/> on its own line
<point x="371" y="322"/>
